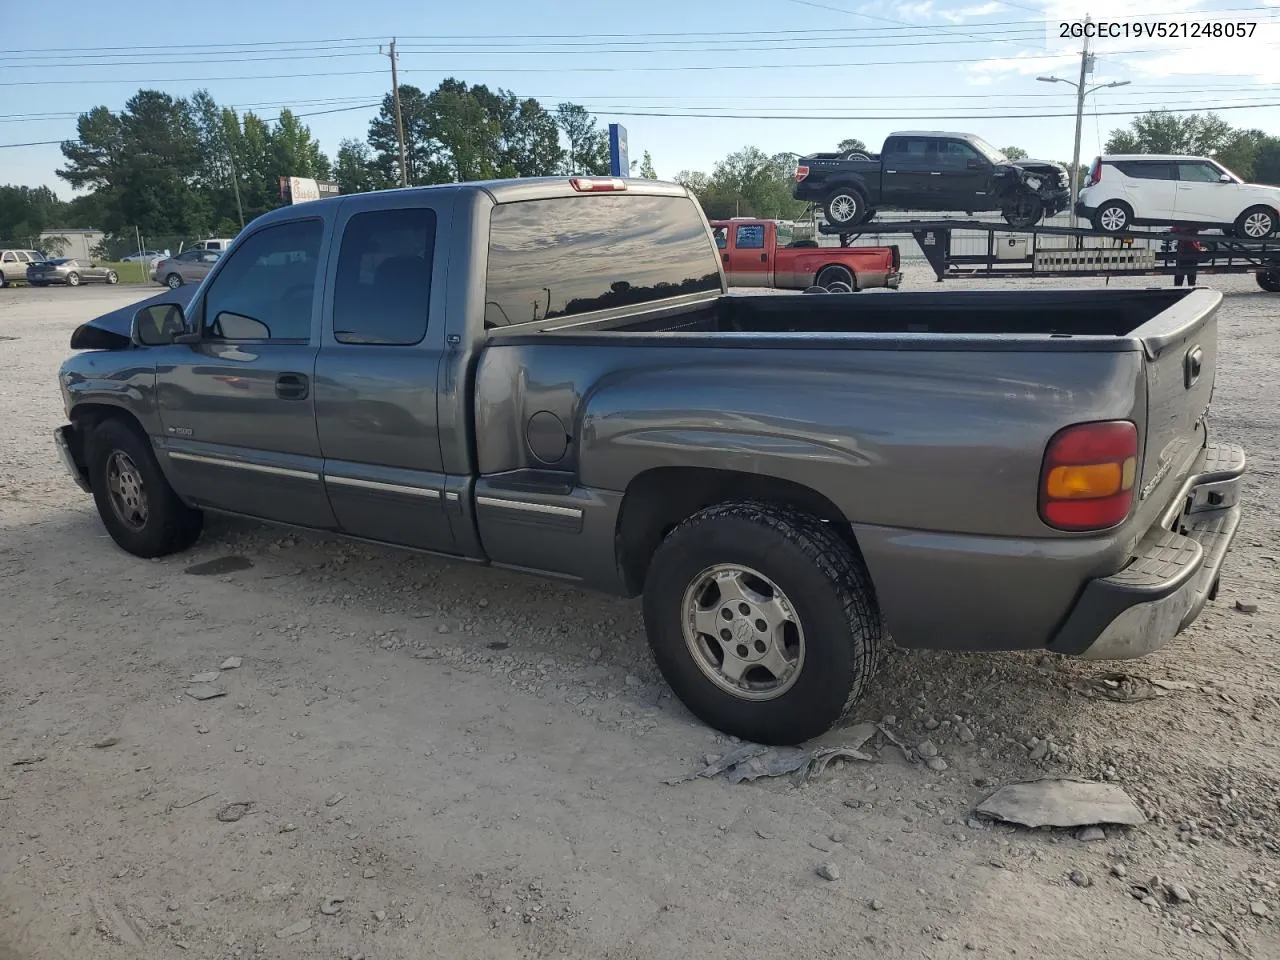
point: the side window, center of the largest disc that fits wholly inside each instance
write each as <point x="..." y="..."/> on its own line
<point x="268" y="286"/>
<point x="722" y="239"/>
<point x="1147" y="169"/>
<point x="8" y="257"/>
<point x="916" y="147"/>
<point x="383" y="289"/>
<point x="22" y="257"/>
<point x="786" y="236"/>
<point x="749" y="236"/>
<point x="1199" y="172"/>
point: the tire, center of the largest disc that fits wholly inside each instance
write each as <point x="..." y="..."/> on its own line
<point x="4" y="281"/>
<point x="827" y="616"/>
<point x="840" y="287"/>
<point x="844" y="207"/>
<point x="1024" y="212"/>
<point x="1114" y="216"/>
<point x="1256" y="223"/>
<point x="835" y="273"/>
<point x="1268" y="280"/>
<point x="73" y="279"/>
<point x="112" y="277"/>
<point x="173" y="281"/>
<point x="815" y="289"/>
<point x="120" y="457"/>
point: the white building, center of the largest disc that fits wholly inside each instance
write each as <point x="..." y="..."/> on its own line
<point x="82" y="241"/>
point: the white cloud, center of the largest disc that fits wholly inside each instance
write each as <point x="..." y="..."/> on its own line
<point x="1149" y="59"/>
<point x="981" y="10"/>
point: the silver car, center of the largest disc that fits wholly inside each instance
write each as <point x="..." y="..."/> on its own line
<point x="72" y="271"/>
<point x="190" y="266"/>
<point x="14" y="263"/>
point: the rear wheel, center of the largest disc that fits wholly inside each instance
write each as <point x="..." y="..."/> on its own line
<point x="1268" y="280"/>
<point x="173" y="281"/>
<point x="1025" y="211"/>
<point x="137" y="505"/>
<point x="73" y="279"/>
<point x="1256" y="223"/>
<point x="112" y="277"/>
<point x="4" y="281"/>
<point x="844" y="208"/>
<point x="1114" y="216"/>
<point x="835" y="274"/>
<point x="762" y="620"/>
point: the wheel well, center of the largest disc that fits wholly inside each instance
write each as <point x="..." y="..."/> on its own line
<point x="86" y="417"/>
<point x="851" y="186"/>
<point x="843" y="266"/>
<point x="658" y="500"/>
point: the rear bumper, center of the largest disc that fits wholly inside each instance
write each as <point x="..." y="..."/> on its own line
<point x="1082" y="210"/>
<point x="1174" y="574"/>
<point x="893" y="280"/>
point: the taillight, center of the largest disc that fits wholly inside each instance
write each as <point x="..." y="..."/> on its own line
<point x="1095" y="172"/>
<point x="897" y="256"/>
<point x="592" y="185"/>
<point x="1088" y="475"/>
<point x="801" y="173"/>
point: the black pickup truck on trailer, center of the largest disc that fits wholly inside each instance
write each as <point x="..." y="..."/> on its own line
<point x="932" y="171"/>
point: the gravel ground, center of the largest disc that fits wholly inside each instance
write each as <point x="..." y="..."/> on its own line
<point x="422" y="759"/>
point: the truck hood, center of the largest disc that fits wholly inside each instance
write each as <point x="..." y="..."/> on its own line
<point x="111" y="330"/>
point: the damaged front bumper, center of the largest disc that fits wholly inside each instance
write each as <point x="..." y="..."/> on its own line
<point x="63" y="438"/>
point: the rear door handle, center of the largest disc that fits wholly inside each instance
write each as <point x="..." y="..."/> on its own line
<point x="291" y="386"/>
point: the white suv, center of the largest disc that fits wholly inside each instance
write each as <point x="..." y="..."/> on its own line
<point x="1127" y="190"/>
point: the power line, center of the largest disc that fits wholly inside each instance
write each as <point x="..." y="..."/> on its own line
<point x="642" y="37"/>
<point x="695" y="68"/>
<point x="961" y="116"/>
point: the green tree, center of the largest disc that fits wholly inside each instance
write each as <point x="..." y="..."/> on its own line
<point x="145" y="160"/>
<point x="424" y="162"/>
<point x="26" y="212"/>
<point x="1197" y="135"/>
<point x="851" y="145"/>
<point x="295" y="152"/>
<point x="646" y="167"/>
<point x="1266" y="163"/>
<point x="530" y="140"/>
<point x="748" y="183"/>
<point x="588" y="146"/>
<point x="1016" y="153"/>
<point x="354" y="169"/>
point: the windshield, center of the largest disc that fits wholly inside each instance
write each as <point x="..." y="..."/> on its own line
<point x="988" y="151"/>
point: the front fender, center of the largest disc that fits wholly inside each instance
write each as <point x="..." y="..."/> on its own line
<point x="124" y="380"/>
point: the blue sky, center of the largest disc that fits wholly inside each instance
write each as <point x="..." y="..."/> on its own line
<point x="796" y="75"/>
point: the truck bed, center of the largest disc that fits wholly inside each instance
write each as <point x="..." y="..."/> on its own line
<point x="1045" y="315"/>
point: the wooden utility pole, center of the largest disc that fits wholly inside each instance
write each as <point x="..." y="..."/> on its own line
<point x="1075" y="152"/>
<point x="395" y="93"/>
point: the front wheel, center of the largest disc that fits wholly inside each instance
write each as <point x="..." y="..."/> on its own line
<point x="173" y="281"/>
<point x="1026" y="211"/>
<point x="1256" y="223"/>
<point x="137" y="505"/>
<point x="112" y="277"/>
<point x="762" y="620"/>
<point x="1268" y="280"/>
<point x="73" y="279"/>
<point x="844" y="208"/>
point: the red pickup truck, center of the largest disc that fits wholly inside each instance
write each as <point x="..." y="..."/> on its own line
<point x="765" y="253"/>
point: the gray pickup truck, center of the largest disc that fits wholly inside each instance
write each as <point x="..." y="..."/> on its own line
<point x="548" y="375"/>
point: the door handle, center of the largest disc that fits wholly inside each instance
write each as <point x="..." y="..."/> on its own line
<point x="764" y="258"/>
<point x="291" y="386"/>
<point x="724" y="257"/>
<point x="935" y="173"/>
<point x="891" y="171"/>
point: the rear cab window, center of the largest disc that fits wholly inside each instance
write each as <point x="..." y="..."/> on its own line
<point x="566" y="256"/>
<point x="382" y="291"/>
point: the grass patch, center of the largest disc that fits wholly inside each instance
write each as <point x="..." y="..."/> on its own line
<point x="129" y="272"/>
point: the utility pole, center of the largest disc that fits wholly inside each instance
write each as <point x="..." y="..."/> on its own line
<point x="1086" y="68"/>
<point x="1075" y="152"/>
<point x="235" y="183"/>
<point x="395" y="93"/>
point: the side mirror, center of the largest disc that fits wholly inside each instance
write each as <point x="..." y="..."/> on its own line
<point x="158" y="325"/>
<point x="1223" y="178"/>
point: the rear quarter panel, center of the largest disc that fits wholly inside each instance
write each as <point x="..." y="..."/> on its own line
<point x="797" y="268"/>
<point x="933" y="456"/>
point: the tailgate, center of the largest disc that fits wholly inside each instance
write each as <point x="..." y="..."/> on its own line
<point x="1181" y="347"/>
